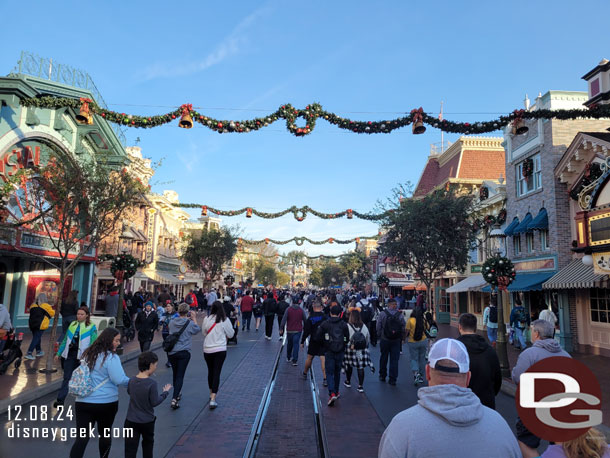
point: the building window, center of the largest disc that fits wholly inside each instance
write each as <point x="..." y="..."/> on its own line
<point x="531" y="183"/>
<point x="529" y="240"/>
<point x="600" y="305"/>
<point x="544" y="239"/>
<point x="517" y="244"/>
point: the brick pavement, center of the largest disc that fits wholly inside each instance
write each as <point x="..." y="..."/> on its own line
<point x="289" y="427"/>
<point x="224" y="432"/>
<point x="353" y="427"/>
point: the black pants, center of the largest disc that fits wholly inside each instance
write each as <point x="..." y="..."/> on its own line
<point x="145" y="345"/>
<point x="348" y="375"/>
<point x="147" y="431"/>
<point x="89" y="414"/>
<point x="269" y="325"/>
<point x="214" y="362"/>
<point x="179" y="361"/>
<point x="372" y="326"/>
<point x="246" y="318"/>
<point x="69" y="365"/>
<point x="279" y="322"/>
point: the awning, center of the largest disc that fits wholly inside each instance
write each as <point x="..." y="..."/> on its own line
<point x="576" y="275"/>
<point x="530" y="281"/>
<point x="415" y="286"/>
<point x="541" y="221"/>
<point x="472" y="283"/>
<point x="166" y="277"/>
<point x="524" y="226"/>
<point x="511" y="227"/>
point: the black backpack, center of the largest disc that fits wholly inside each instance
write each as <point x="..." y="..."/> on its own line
<point x="493" y="314"/>
<point x="358" y="341"/>
<point x="171" y="340"/>
<point x="335" y="338"/>
<point x="189" y="299"/>
<point x="392" y="328"/>
<point x="366" y="312"/>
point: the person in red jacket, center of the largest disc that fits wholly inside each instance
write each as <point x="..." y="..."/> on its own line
<point x="191" y="300"/>
<point x="294" y="320"/>
<point x="246" y="307"/>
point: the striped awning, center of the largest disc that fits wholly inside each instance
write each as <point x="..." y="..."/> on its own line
<point x="511" y="227"/>
<point x="524" y="226"/>
<point x="576" y="275"/>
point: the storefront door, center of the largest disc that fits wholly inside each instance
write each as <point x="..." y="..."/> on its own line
<point x="443" y="315"/>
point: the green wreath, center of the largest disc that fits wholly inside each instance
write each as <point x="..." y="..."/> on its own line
<point x="383" y="281"/>
<point x="499" y="271"/>
<point x="229" y="280"/>
<point x="125" y="263"/>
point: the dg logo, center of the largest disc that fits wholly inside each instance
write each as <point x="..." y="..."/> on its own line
<point x="559" y="399"/>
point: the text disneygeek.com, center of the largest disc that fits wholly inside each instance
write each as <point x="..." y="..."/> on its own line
<point x="16" y="431"/>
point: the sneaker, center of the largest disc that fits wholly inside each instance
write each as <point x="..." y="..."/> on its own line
<point x="294" y="363"/>
<point x="332" y="399"/>
<point x="213" y="405"/>
<point x="179" y="397"/>
<point x="347" y="383"/>
<point x="288" y="360"/>
<point x="29" y="356"/>
<point x="168" y="364"/>
<point x="279" y="338"/>
<point x="304" y="375"/>
<point x="360" y="389"/>
<point x="324" y="382"/>
<point x="174" y="405"/>
<point x="337" y="396"/>
<point x="39" y="354"/>
<point x="256" y="329"/>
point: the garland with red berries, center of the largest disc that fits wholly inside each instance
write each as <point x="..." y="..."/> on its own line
<point x="498" y="271"/>
<point x="310" y="114"/>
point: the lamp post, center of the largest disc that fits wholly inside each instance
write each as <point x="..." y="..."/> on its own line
<point x="125" y="247"/>
<point x="498" y="238"/>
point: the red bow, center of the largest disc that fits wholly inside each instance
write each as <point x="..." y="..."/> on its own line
<point x="503" y="283"/>
<point x="85" y="101"/>
<point x="186" y="109"/>
<point x="418" y="115"/>
<point x="518" y="114"/>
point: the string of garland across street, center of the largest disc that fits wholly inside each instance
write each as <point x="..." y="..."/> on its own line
<point x="300" y="240"/>
<point x="417" y="118"/>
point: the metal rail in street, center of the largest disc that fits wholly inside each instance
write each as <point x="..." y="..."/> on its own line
<point x="319" y="417"/>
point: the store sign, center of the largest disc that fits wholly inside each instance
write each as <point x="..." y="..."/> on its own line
<point x="535" y="264"/>
<point x="599" y="229"/>
<point x="18" y="157"/>
<point x="150" y="234"/>
<point x="601" y="263"/>
<point x="476" y="269"/>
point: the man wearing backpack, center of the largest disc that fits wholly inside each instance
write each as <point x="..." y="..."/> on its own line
<point x="520" y="320"/>
<point x="490" y="320"/>
<point x="336" y="336"/>
<point x="316" y="338"/>
<point x="191" y="300"/>
<point x="391" y="331"/>
<point x="366" y="310"/>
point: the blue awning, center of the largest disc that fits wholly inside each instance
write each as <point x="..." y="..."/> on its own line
<point x="524" y="226"/>
<point x="530" y="281"/>
<point x="511" y="227"/>
<point x="541" y="221"/>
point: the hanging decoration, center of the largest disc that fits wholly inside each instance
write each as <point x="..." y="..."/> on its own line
<point x="490" y="220"/>
<point x="299" y="213"/>
<point x="314" y="111"/>
<point x="300" y="240"/>
<point x="527" y="169"/>
<point x="498" y="271"/>
<point x="229" y="280"/>
<point x="383" y="281"/>
<point x="483" y="193"/>
<point x="320" y="256"/>
<point x="124" y="266"/>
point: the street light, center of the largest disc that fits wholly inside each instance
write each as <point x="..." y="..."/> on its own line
<point x="587" y="259"/>
<point x="498" y="238"/>
<point x="125" y="247"/>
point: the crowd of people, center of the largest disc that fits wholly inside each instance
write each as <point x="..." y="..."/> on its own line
<point x="457" y="379"/>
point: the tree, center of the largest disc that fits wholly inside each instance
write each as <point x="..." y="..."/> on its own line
<point x="207" y="252"/>
<point x="266" y="273"/>
<point x="356" y="266"/>
<point x="77" y="204"/>
<point x="328" y="273"/>
<point x="431" y="235"/>
<point x="282" y="278"/>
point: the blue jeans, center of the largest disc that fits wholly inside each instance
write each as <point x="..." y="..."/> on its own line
<point x="292" y="345"/>
<point x="332" y="365"/>
<point x="519" y="335"/>
<point x="492" y="334"/>
<point x="69" y="365"/>
<point x="36" y="338"/>
<point x="389" y="348"/>
<point x="246" y="317"/>
<point x="417" y="350"/>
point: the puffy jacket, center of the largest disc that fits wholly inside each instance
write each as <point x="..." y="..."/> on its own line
<point x="40" y="316"/>
<point x="86" y="336"/>
<point x="486" y="378"/>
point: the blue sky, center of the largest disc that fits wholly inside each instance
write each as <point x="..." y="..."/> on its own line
<point x="365" y="60"/>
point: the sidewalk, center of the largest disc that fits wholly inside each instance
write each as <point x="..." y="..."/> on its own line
<point x="599" y="365"/>
<point x="26" y="384"/>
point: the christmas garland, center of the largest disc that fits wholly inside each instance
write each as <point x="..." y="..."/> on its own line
<point x="527" y="168"/>
<point x="383" y="281"/>
<point x="299" y="213"/>
<point x="300" y="240"/>
<point x="187" y="116"/>
<point x="320" y="256"/>
<point x="499" y="271"/>
<point x="124" y="266"/>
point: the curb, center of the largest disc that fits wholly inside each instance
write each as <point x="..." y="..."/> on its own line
<point x="48" y="388"/>
<point x="509" y="388"/>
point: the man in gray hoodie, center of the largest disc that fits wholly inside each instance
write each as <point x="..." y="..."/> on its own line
<point x="449" y="419"/>
<point x="543" y="346"/>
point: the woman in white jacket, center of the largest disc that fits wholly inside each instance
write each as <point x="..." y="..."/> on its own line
<point x="216" y="330"/>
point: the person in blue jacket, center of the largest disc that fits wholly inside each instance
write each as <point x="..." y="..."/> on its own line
<point x="101" y="406"/>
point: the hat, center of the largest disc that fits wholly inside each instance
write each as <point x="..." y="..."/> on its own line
<point x="227" y="299"/>
<point x="452" y="350"/>
<point x="335" y="310"/>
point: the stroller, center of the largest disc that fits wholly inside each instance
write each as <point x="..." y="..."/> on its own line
<point x="129" y="331"/>
<point x="235" y="323"/>
<point x="12" y="351"/>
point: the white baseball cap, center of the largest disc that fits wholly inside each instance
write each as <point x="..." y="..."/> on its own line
<point x="227" y="299"/>
<point x="452" y="350"/>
